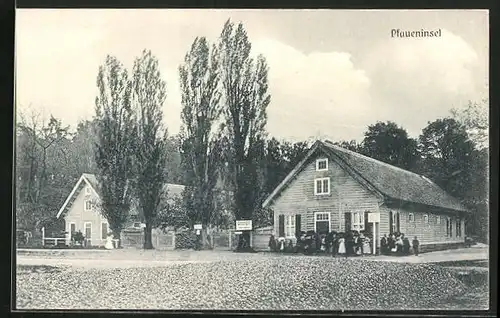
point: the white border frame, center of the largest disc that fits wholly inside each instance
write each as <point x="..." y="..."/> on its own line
<point x="316" y="188"/>
<point x="321" y="160"/>
<point x="329" y="220"/>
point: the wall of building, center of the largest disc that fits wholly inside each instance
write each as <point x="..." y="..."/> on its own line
<point x="77" y="214"/>
<point x="431" y="232"/>
<point x="347" y="195"/>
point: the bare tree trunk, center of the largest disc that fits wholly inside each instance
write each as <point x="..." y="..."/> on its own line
<point x="148" y="235"/>
<point x="117" y="236"/>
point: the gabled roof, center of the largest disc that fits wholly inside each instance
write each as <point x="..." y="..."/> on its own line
<point x="392" y="182"/>
<point x="173" y="190"/>
<point x="84" y="178"/>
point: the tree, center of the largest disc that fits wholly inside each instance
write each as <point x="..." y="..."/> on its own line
<point x="350" y="145"/>
<point x="244" y="82"/>
<point x="173" y="165"/>
<point x="83" y="148"/>
<point x="148" y="96"/>
<point x="390" y="143"/>
<point x="114" y="153"/>
<point x="281" y="158"/>
<point x="201" y="147"/>
<point x="447" y="155"/>
<point x="40" y="188"/>
<point x="450" y="159"/>
<point x="475" y="120"/>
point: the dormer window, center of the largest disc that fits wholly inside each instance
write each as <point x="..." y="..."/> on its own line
<point x="322" y="164"/>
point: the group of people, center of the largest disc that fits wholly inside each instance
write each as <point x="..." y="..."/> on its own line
<point x="352" y="243"/>
<point x="398" y="244"/>
<point x="345" y="244"/>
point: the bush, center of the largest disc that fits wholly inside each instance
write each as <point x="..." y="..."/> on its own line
<point x="186" y="239"/>
<point x="78" y="237"/>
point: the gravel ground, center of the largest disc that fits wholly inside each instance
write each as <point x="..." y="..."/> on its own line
<point x="285" y="283"/>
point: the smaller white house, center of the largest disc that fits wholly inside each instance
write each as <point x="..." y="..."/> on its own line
<point x="80" y="213"/>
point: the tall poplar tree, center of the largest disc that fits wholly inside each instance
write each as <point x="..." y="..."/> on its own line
<point x="150" y="139"/>
<point x="201" y="151"/>
<point x="113" y="154"/>
<point x="244" y="87"/>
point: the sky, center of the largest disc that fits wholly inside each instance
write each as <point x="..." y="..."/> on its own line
<point x="331" y="72"/>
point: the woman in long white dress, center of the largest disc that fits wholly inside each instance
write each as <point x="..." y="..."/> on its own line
<point x="342" y="250"/>
<point x="109" y="242"/>
<point x="366" y="246"/>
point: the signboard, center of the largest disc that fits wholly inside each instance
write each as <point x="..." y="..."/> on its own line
<point x="373" y="217"/>
<point x="197" y="227"/>
<point x="244" y="225"/>
<point x="239" y="232"/>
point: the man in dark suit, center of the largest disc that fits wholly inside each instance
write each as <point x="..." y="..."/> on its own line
<point x="383" y="245"/>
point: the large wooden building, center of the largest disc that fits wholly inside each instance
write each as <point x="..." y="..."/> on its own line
<point x="334" y="189"/>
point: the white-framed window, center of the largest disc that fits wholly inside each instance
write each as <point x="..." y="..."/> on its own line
<point x="458" y="228"/>
<point x="395" y="219"/>
<point x="448" y="227"/>
<point x="438" y="219"/>
<point x="411" y="217"/>
<point x="426" y="218"/>
<point x="358" y="221"/>
<point x="322" y="164"/>
<point x="104" y="230"/>
<point x="322" y="186"/>
<point x="87" y="190"/>
<point x="322" y="222"/>
<point x="88" y="231"/>
<point x="289" y="226"/>
<point x="87" y="205"/>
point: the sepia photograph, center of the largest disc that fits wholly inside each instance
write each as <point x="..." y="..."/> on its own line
<point x="236" y="160"/>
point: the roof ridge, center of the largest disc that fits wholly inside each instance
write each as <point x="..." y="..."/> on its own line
<point x="330" y="144"/>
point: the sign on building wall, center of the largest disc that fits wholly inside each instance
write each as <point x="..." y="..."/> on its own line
<point x="373" y="217"/>
<point x="197" y="226"/>
<point x="244" y="225"/>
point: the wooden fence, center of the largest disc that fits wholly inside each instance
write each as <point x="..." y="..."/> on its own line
<point x="221" y="240"/>
<point x="160" y="240"/>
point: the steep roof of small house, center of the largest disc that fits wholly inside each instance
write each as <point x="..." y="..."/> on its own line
<point x="173" y="190"/>
<point x="392" y="182"/>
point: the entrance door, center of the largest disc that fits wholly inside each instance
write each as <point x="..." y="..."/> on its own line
<point x="88" y="233"/>
<point x="322" y="222"/>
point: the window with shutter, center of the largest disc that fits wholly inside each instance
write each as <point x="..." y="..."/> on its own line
<point x="391" y="222"/>
<point x="298" y="229"/>
<point x="289" y="226"/>
<point x="347" y="217"/>
<point x="281" y="226"/>
<point x="358" y="221"/>
<point x="398" y="229"/>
